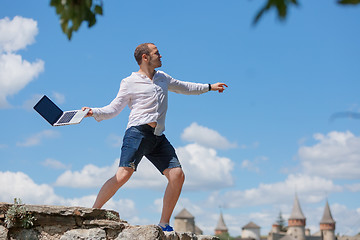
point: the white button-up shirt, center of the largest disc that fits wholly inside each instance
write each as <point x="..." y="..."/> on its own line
<point x="147" y="99"/>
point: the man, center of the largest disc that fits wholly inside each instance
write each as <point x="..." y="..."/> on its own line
<point x="146" y="94"/>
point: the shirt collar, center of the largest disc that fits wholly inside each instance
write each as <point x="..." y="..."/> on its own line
<point x="144" y="76"/>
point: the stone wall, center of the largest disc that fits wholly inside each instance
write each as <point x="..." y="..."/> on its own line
<point x="57" y="222"/>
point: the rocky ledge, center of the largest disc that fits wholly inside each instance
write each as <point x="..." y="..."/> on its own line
<point x="40" y="222"/>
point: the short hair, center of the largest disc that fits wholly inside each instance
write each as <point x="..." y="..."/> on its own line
<point x="140" y="50"/>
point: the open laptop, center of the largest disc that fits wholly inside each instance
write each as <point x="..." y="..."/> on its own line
<point x="55" y="116"/>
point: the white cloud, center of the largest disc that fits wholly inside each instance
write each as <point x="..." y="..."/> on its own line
<point x="52" y="163"/>
<point x="197" y="162"/>
<point x="89" y="177"/>
<point x="194" y="208"/>
<point x="3" y="146"/>
<point x="30" y="103"/>
<point x="38" y="138"/>
<point x="204" y="169"/>
<point x="247" y="164"/>
<point x="254" y="145"/>
<point x="253" y="165"/>
<point x="19" y="185"/>
<point x="16" y="34"/>
<point x="126" y="207"/>
<point x="115" y="140"/>
<point x="16" y="73"/>
<point x="58" y="98"/>
<point x="147" y="176"/>
<point x="336" y="155"/>
<point x="206" y="137"/>
<point x="353" y="187"/>
<point x="346" y="219"/>
<point x="314" y="188"/>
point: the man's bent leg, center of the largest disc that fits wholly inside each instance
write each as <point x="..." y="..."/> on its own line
<point x="108" y="190"/>
<point x="176" y="179"/>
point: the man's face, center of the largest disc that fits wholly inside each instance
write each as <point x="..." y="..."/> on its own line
<point x="154" y="57"/>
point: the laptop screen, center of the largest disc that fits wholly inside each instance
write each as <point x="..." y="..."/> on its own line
<point x="48" y="110"/>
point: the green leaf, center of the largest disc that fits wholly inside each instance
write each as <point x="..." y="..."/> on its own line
<point x="98" y="10"/>
<point x="280" y="5"/>
<point x="354" y="2"/>
<point x="88" y="3"/>
<point x="69" y="33"/>
<point x="92" y="20"/>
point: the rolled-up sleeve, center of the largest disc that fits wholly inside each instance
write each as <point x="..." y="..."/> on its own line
<point x="188" y="88"/>
<point x="115" y="107"/>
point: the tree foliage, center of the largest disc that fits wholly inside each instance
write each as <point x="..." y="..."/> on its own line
<point x="225" y="236"/>
<point x="282" y="6"/>
<point x="281" y="222"/>
<point x="73" y="12"/>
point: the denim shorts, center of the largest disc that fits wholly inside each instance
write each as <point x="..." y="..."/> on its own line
<point x="140" y="141"/>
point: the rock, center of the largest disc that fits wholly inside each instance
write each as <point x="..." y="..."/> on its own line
<point x="187" y="236"/>
<point x="3" y="233"/>
<point x="148" y="232"/>
<point x="58" y="222"/>
<point x="85" y="234"/>
<point x="172" y="236"/>
<point x="207" y="237"/>
<point x="21" y="233"/>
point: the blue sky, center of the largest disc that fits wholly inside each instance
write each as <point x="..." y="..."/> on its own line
<point x="248" y="150"/>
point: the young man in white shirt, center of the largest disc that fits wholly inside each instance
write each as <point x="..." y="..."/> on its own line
<point x="146" y="94"/>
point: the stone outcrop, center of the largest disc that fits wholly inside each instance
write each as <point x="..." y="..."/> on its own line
<point x="66" y="223"/>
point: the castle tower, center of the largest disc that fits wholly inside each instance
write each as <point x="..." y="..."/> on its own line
<point x="296" y="222"/>
<point x="275" y="228"/>
<point x="327" y="224"/>
<point x="221" y="226"/>
<point x="184" y="222"/>
<point x="251" y="230"/>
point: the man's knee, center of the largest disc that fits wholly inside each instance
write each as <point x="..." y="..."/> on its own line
<point x="123" y="174"/>
<point x="175" y="175"/>
<point x="181" y="175"/>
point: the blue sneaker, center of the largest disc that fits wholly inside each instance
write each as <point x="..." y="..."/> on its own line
<point x="167" y="228"/>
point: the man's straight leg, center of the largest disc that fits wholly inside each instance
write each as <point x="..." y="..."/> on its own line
<point x="131" y="154"/>
<point x="110" y="187"/>
<point x="176" y="179"/>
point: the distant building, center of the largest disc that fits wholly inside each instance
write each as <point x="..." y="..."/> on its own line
<point x="296" y="222"/>
<point x="221" y="226"/>
<point x="251" y="231"/>
<point x="185" y="222"/>
<point x="327" y="224"/>
<point x="296" y="226"/>
<point x="356" y="237"/>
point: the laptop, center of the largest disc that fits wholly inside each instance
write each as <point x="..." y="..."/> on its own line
<point x="55" y="116"/>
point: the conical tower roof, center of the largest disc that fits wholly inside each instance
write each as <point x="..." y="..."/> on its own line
<point x="221" y="226"/>
<point x="296" y="211"/>
<point x="250" y="225"/>
<point x="184" y="214"/>
<point x="327" y="217"/>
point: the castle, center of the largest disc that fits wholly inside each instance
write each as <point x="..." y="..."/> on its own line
<point x="296" y="226"/>
<point x="294" y="231"/>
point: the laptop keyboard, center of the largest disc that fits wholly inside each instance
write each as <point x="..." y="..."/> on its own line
<point x="67" y="117"/>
